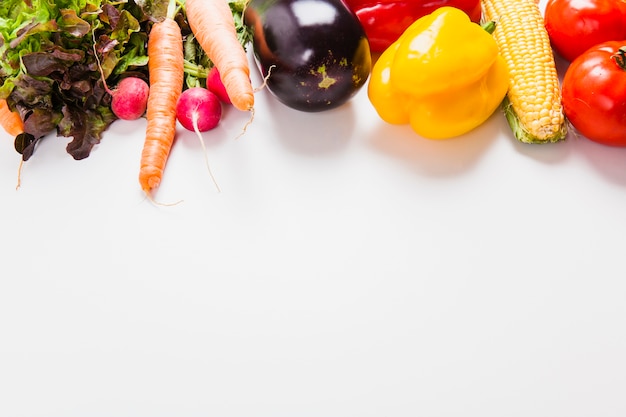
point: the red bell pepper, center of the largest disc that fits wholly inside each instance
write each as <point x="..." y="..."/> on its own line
<point x="385" y="20"/>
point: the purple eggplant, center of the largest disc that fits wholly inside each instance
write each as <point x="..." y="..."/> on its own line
<point x="316" y="52"/>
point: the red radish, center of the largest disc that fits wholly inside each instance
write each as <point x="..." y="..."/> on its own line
<point x="216" y="86"/>
<point x="198" y="109"/>
<point x="130" y="98"/>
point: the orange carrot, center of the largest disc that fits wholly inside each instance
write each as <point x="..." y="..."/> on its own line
<point x="212" y="23"/>
<point x="165" y="66"/>
<point x="10" y="120"/>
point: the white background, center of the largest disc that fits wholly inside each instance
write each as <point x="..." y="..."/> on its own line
<point x="347" y="268"/>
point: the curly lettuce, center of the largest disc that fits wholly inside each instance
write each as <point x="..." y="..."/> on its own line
<point x="56" y="58"/>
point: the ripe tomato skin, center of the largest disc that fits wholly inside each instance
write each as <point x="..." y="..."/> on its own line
<point x="576" y="25"/>
<point x="594" y="93"/>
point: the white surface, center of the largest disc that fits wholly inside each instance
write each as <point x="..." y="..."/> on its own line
<point x="348" y="268"/>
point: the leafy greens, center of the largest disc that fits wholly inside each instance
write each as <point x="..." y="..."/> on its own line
<point x="53" y="59"/>
<point x="57" y="59"/>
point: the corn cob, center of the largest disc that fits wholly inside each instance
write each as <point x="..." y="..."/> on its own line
<point x="532" y="106"/>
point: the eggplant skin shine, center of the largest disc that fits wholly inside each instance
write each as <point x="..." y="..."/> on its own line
<point x="314" y="54"/>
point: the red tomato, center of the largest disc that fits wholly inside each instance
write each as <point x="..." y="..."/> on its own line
<point x="594" y="93"/>
<point x="576" y="25"/>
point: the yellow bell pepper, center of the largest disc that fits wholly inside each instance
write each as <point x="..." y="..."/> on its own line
<point x="444" y="76"/>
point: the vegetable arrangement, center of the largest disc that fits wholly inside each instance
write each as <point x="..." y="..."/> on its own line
<point x="73" y="67"/>
<point x="530" y="94"/>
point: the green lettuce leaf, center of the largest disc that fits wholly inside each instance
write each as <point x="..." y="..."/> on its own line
<point x="57" y="56"/>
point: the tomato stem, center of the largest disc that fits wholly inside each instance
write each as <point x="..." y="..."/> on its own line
<point x="620" y="58"/>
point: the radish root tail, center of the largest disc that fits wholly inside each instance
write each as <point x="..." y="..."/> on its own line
<point x="194" y="119"/>
<point x="19" y="174"/>
<point x="150" y="198"/>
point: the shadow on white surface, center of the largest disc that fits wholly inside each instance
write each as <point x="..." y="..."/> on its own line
<point x="306" y="133"/>
<point x="436" y="158"/>
<point x="607" y="161"/>
<point x="545" y="153"/>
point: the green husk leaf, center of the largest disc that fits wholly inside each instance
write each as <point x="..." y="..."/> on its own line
<point x="522" y="134"/>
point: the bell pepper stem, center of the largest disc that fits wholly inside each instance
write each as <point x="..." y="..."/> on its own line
<point x="489" y="26"/>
